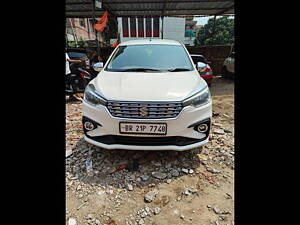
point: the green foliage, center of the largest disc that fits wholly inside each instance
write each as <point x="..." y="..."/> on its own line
<point x="71" y="44"/>
<point x="82" y="43"/>
<point x="222" y="34"/>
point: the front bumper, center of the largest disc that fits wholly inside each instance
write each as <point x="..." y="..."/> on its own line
<point x="180" y="136"/>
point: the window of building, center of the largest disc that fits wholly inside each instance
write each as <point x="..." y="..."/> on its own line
<point x="156" y="27"/>
<point x="82" y="22"/>
<point x="148" y="27"/>
<point x="141" y="27"/>
<point x="125" y="26"/>
<point x="132" y="27"/>
<point x="91" y="25"/>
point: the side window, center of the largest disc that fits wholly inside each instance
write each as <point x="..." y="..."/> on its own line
<point x="202" y="59"/>
<point x="198" y="59"/>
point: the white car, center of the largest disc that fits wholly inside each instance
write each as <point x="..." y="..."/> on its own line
<point x="228" y="66"/>
<point x="148" y="96"/>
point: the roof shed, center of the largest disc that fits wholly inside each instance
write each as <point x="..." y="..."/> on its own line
<point x="149" y="8"/>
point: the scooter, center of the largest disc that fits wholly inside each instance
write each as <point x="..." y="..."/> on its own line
<point x="77" y="80"/>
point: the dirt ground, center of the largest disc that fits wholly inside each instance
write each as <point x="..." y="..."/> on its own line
<point x="153" y="188"/>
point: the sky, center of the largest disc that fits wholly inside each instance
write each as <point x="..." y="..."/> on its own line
<point x="203" y="20"/>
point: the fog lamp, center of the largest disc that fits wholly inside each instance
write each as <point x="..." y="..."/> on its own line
<point x="89" y="126"/>
<point x="202" y="128"/>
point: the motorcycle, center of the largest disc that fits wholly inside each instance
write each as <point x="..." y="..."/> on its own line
<point x="77" y="79"/>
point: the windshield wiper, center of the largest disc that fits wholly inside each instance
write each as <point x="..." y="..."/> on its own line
<point x="178" y="69"/>
<point x="140" y="69"/>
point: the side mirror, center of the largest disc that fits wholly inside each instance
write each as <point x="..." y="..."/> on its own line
<point x="200" y="65"/>
<point x="98" y="66"/>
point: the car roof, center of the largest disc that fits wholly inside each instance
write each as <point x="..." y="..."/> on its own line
<point x="151" y="41"/>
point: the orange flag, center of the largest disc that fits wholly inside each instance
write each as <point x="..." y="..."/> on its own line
<point x="101" y="23"/>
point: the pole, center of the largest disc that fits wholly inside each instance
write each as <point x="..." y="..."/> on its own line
<point x="162" y="27"/>
<point x="213" y="31"/>
<point x="96" y="32"/>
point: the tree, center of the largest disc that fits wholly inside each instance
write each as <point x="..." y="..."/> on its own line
<point x="82" y="43"/>
<point x="221" y="34"/>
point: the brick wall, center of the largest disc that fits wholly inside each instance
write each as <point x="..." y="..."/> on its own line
<point x="215" y="53"/>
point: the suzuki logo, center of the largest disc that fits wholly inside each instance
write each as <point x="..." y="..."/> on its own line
<point x="144" y="111"/>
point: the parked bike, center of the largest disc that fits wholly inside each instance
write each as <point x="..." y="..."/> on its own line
<point x="77" y="80"/>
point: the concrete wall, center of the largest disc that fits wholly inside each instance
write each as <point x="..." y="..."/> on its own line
<point x="174" y="28"/>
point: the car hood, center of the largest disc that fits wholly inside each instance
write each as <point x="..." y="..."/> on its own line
<point x="136" y="86"/>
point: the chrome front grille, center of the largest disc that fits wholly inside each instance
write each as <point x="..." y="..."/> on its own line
<point x="143" y="110"/>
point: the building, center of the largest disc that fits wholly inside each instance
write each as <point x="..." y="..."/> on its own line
<point x="80" y="28"/>
<point x="151" y="27"/>
<point x="190" y="24"/>
<point x="190" y="31"/>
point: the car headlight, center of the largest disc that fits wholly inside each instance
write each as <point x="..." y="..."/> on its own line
<point x="91" y="96"/>
<point x="201" y="98"/>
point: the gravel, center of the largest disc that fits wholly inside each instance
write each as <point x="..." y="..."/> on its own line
<point x="130" y="187"/>
<point x="150" y="196"/>
<point x="118" y="181"/>
<point x="159" y="175"/>
<point x="157" y="210"/>
<point x="72" y="221"/>
<point x="186" y="171"/>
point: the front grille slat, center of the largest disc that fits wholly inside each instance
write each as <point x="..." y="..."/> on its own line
<point x="144" y="110"/>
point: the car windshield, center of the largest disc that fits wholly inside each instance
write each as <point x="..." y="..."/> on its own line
<point x="150" y="57"/>
<point x="76" y="55"/>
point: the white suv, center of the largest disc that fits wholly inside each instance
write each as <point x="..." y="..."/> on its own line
<point x="148" y="96"/>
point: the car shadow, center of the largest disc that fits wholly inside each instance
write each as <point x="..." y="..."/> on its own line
<point x="118" y="168"/>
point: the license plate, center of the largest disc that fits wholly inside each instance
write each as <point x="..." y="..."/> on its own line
<point x="143" y="128"/>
